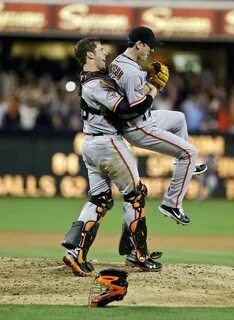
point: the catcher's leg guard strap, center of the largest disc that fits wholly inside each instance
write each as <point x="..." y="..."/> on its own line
<point x="73" y="237"/>
<point x="103" y="201"/>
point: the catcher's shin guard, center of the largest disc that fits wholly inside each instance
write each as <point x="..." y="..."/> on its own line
<point x="138" y="228"/>
<point x="104" y="202"/>
<point x="81" y="235"/>
<point x="125" y="243"/>
<point x="88" y="235"/>
<point x="138" y="231"/>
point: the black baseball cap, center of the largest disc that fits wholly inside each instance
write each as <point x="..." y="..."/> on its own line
<point x="144" y="35"/>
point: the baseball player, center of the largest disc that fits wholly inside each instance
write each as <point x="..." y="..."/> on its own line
<point x="108" y="161"/>
<point x="159" y="131"/>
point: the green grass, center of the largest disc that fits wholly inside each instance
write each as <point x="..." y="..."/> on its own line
<point x="222" y="258"/>
<point x="43" y="312"/>
<point x="214" y="217"/>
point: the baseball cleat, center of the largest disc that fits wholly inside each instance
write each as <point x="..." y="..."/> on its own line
<point x="149" y="264"/>
<point x="175" y="213"/>
<point x="199" y="169"/>
<point x="79" y="269"/>
<point x="126" y="246"/>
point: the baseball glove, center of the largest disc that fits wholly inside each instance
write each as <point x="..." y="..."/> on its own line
<point x="158" y="74"/>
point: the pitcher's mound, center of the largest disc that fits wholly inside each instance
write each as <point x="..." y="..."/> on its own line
<point x="43" y="281"/>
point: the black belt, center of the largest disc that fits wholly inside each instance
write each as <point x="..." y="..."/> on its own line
<point x="101" y="134"/>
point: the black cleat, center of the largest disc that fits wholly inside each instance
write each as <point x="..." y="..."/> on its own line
<point x="175" y="213"/>
<point x="149" y="264"/>
<point x="199" y="169"/>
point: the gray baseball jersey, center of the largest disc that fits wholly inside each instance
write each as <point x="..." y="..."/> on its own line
<point x="107" y="158"/>
<point x="98" y="97"/>
<point x="159" y="132"/>
<point x="131" y="80"/>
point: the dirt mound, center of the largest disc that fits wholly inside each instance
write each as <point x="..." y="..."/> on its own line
<point x="43" y="281"/>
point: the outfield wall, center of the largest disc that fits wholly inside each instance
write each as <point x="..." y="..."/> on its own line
<point x="48" y="164"/>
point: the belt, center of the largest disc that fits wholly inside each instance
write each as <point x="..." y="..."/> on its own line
<point x="101" y="134"/>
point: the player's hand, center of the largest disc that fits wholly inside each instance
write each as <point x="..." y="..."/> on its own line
<point x="146" y="89"/>
<point x="152" y="90"/>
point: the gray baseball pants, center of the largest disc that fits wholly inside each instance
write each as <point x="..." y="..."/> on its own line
<point x="166" y="132"/>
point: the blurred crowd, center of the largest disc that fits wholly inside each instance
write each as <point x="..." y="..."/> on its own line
<point x="31" y="102"/>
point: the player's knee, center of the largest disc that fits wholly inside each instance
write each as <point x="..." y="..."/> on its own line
<point x="188" y="153"/>
<point x="103" y="201"/>
<point x="137" y="196"/>
<point x="180" y="116"/>
<point x="193" y="151"/>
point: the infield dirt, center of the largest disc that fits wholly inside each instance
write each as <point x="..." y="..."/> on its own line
<point x="43" y="281"/>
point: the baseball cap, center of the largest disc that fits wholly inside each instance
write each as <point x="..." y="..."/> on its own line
<point x="144" y="35"/>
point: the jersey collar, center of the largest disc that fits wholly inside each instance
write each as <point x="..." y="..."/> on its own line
<point x="131" y="60"/>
